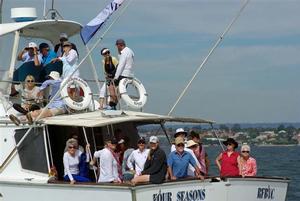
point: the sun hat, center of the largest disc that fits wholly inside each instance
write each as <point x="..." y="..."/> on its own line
<point x="153" y="139"/>
<point x="67" y="44"/>
<point x="231" y="141"/>
<point x="54" y="75"/>
<point x="180" y="131"/>
<point x="190" y="143"/>
<point x="179" y="140"/>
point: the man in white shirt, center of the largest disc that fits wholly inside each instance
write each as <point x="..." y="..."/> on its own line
<point x="109" y="163"/>
<point x="126" y="61"/>
<point x="138" y="157"/>
<point x="30" y="53"/>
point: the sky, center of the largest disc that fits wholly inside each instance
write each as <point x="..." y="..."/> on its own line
<point x="252" y="77"/>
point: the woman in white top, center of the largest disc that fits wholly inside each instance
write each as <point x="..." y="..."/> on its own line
<point x="71" y="160"/>
<point x="30" y="99"/>
<point x="69" y="59"/>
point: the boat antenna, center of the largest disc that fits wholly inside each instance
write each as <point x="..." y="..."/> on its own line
<point x="53" y="12"/>
<point x="209" y="53"/>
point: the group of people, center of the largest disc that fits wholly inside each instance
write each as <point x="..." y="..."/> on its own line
<point x="32" y="96"/>
<point x="43" y="55"/>
<point x="118" y="163"/>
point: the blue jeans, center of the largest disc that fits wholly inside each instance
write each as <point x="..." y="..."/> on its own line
<point x="77" y="178"/>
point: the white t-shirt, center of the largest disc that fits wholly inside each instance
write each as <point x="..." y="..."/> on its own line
<point x="71" y="163"/>
<point x="137" y="159"/>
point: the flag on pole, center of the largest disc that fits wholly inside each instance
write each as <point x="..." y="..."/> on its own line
<point x="89" y="30"/>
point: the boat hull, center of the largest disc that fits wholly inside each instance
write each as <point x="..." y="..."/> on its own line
<point x="231" y="189"/>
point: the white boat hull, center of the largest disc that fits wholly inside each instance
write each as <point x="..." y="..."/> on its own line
<point x="233" y="189"/>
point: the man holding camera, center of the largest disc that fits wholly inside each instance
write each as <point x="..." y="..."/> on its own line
<point x="30" y="53"/>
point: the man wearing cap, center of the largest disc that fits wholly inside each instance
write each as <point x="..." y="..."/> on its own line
<point x="179" y="160"/>
<point x="126" y="61"/>
<point x="110" y="169"/>
<point x="138" y="157"/>
<point x="47" y="53"/>
<point x="30" y="53"/>
<point x="155" y="167"/>
<point x="109" y="67"/>
<point x="58" y="48"/>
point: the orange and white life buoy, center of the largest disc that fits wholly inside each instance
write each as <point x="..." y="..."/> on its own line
<point x="135" y="104"/>
<point x="84" y="101"/>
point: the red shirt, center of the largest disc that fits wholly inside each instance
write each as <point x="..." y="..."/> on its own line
<point x="229" y="164"/>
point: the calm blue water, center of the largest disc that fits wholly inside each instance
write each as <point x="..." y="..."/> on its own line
<point x="272" y="161"/>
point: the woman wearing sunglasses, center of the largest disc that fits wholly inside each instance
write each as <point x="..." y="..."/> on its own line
<point x="228" y="161"/>
<point x="30" y="99"/>
<point x="247" y="163"/>
<point x="71" y="160"/>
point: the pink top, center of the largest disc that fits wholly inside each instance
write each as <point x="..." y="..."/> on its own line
<point x="229" y="164"/>
<point x="248" y="167"/>
<point x="201" y="158"/>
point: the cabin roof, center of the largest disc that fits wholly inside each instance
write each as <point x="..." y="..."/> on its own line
<point x="45" y="29"/>
<point x="102" y="118"/>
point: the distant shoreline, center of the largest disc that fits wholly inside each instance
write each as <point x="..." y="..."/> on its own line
<point x="277" y="145"/>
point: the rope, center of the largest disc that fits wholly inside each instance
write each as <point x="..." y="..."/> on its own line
<point x="210" y="52"/>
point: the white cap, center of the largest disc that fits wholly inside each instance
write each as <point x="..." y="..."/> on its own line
<point x="54" y="74"/>
<point x="32" y="45"/>
<point x="153" y="139"/>
<point x="63" y="35"/>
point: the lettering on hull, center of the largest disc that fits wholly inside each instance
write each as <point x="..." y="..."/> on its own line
<point x="191" y="195"/>
<point x="267" y="193"/>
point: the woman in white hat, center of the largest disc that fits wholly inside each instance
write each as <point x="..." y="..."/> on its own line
<point x="248" y="165"/>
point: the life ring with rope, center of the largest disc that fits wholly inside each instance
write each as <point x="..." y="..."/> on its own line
<point x="83" y="101"/>
<point x="133" y="103"/>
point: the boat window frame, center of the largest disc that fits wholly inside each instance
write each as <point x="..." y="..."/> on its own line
<point x="45" y="149"/>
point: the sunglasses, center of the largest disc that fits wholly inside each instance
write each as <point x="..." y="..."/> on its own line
<point x="245" y="151"/>
<point x="180" y="145"/>
<point x="71" y="147"/>
<point x="29" y="80"/>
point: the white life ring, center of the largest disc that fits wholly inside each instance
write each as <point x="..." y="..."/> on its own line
<point x="86" y="99"/>
<point x="136" y="104"/>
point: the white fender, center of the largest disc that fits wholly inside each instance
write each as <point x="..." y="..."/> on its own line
<point x="136" y="104"/>
<point x="86" y="90"/>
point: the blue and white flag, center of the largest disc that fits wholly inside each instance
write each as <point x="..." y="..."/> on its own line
<point x="89" y="30"/>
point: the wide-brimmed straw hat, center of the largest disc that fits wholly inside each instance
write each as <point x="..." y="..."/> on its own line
<point x="231" y="141"/>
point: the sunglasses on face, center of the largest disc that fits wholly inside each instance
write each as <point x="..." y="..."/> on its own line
<point x="71" y="147"/>
<point x="229" y="144"/>
<point x="180" y="145"/>
<point x="245" y="151"/>
<point x="29" y="80"/>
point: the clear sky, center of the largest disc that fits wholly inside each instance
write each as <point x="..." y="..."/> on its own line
<point x="253" y="76"/>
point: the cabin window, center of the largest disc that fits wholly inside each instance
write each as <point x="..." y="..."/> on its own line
<point x="32" y="151"/>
